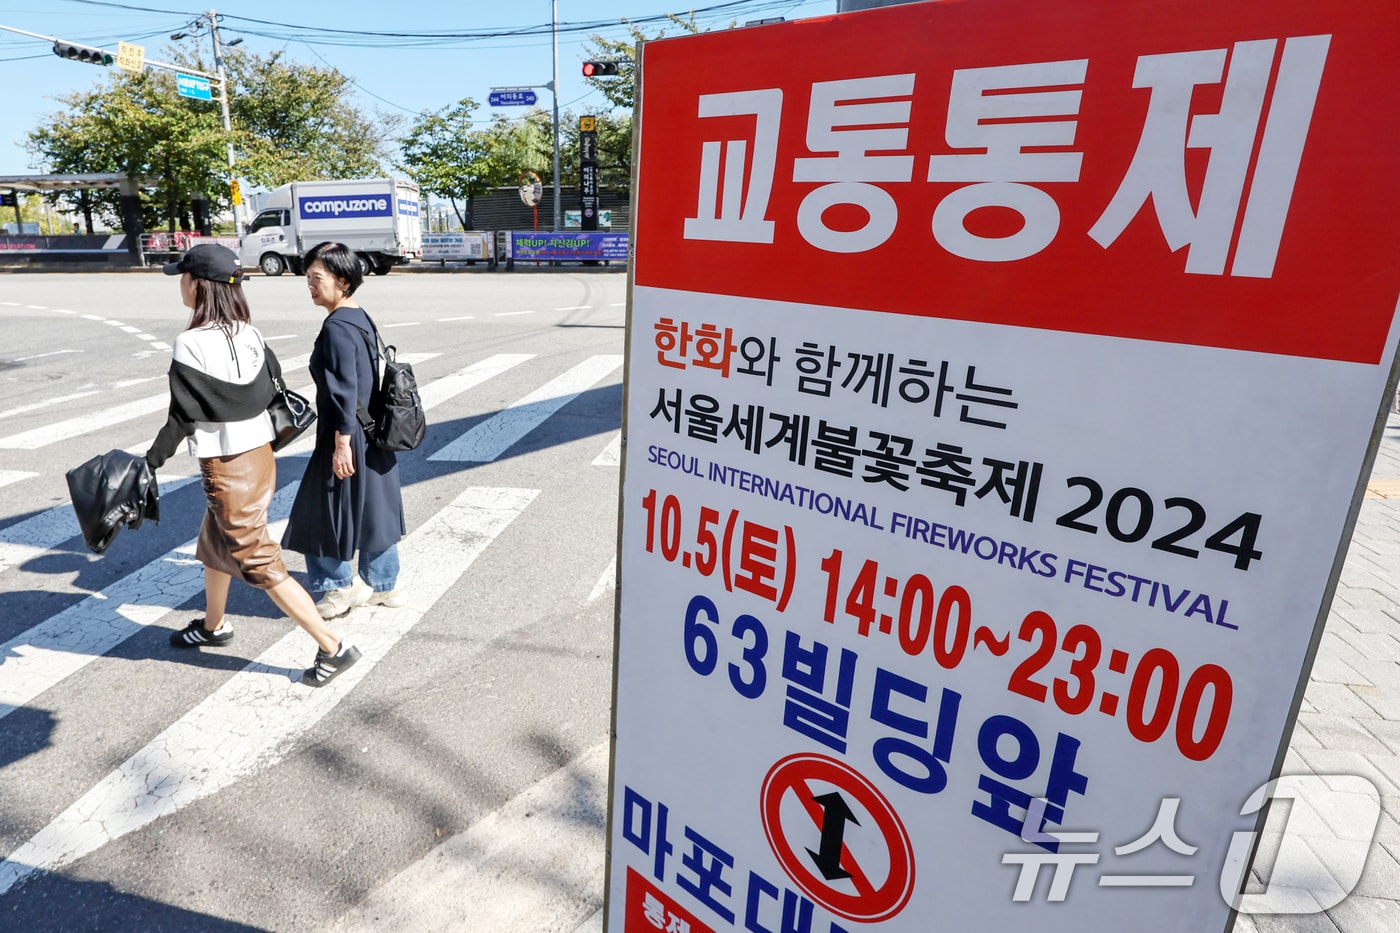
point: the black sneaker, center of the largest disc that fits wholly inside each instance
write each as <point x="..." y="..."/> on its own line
<point x="194" y="635"/>
<point x="329" y="666"/>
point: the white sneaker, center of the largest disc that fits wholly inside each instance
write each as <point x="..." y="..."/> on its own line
<point x="338" y="602"/>
<point x="394" y="599"/>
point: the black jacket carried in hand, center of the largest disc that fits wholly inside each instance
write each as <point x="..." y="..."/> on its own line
<point x="111" y="490"/>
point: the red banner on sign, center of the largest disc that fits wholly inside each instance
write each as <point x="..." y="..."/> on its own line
<point x="650" y="909"/>
<point x="1162" y="172"/>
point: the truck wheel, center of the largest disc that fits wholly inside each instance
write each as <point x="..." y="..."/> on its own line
<point x="382" y="267"/>
<point x="272" y="264"/>
<point x="365" y="265"/>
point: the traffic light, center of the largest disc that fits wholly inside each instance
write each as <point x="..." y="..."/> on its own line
<point x="598" y="69"/>
<point x="83" y="53"/>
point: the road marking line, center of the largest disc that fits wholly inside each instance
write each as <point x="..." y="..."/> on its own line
<point x="12" y="476"/>
<point x="256" y="718"/>
<point x="11" y="304"/>
<point x="114" y="323"/>
<point x="279" y="337"/>
<point x="132" y="330"/>
<point x="45" y="404"/>
<point x="511" y="313"/>
<point x="618" y="304"/>
<point x="401" y="324"/>
<point x="440" y="390"/>
<point x="432" y="394"/>
<point x="40" y="356"/>
<point x="40" y="308"/>
<point x="493" y="437"/>
<point x="145" y="336"/>
<point x="62" y="311"/>
<point x="612" y="454"/>
<point x="86" y="424"/>
<point x="606" y="582"/>
<point x="93" y="317"/>
<point x="39" y="658"/>
<point x="576" y="308"/>
<point x="493" y="876"/>
<point x="469" y="317"/>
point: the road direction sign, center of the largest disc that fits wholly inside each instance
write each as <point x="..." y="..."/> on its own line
<point x="192" y="86"/>
<point x="512" y="97"/>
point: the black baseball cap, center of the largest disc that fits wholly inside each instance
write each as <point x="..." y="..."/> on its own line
<point x="208" y="261"/>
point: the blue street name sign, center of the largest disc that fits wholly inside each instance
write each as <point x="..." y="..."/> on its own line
<point x="190" y="86"/>
<point x="520" y="98"/>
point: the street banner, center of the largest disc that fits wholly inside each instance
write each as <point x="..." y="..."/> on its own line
<point x="572" y="246"/>
<point x="1002" y="378"/>
<point x="456" y="247"/>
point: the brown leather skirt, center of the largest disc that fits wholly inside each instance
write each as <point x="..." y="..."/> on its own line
<point x="234" y="538"/>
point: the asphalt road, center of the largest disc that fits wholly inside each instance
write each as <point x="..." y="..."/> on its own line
<point x="145" y="788"/>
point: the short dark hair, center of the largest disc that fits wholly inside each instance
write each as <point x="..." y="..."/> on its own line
<point x="340" y="261"/>
<point x="220" y="303"/>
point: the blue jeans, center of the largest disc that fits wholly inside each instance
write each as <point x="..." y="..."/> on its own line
<point x="380" y="569"/>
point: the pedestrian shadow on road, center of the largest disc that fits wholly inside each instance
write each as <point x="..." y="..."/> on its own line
<point x="23" y="732"/>
<point x="57" y="904"/>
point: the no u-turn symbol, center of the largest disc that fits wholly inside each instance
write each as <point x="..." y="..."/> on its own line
<point x="837" y="837"/>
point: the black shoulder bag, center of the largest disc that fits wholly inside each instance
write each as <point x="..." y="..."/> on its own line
<point x="395" y="419"/>
<point x="291" y="413"/>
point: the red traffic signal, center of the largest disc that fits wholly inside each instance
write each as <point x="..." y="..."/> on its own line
<point x="598" y="69"/>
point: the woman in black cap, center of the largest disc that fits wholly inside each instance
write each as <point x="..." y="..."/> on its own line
<point x="220" y="386"/>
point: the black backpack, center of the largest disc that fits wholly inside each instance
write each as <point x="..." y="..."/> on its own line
<point x="395" y="419"/>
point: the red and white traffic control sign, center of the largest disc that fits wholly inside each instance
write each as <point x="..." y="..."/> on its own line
<point x="1001" y="376"/>
<point x="863" y="865"/>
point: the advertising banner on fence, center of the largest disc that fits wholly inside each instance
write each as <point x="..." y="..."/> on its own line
<point x="456" y="247"/>
<point x="574" y="245"/>
<point x="1001" y="376"/>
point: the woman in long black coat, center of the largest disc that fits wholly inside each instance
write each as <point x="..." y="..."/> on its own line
<point x="349" y="500"/>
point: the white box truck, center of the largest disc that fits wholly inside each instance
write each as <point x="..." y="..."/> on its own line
<point x="376" y="217"/>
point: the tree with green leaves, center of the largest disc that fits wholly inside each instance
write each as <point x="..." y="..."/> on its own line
<point x="290" y="122"/>
<point x="615" y="126"/>
<point x="620" y="89"/>
<point x="452" y="155"/>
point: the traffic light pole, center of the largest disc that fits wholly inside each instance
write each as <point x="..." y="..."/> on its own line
<point x="220" y="77"/>
<point x="554" y="89"/>
<point x="213" y="18"/>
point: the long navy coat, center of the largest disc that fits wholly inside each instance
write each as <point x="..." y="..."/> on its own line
<point x="336" y="517"/>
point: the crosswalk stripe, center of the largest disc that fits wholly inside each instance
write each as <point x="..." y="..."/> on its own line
<point x="605" y="582"/>
<point x="440" y="390"/>
<point x="253" y="721"/>
<point x="612" y="454"/>
<point x="35" y="536"/>
<point x="493" y="437"/>
<point x="39" y="658"/>
<point x="432" y="394"/>
<point x="86" y="424"/>
<point x="14" y="476"/>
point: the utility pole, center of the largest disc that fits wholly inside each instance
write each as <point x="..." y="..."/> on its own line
<point x="213" y="18"/>
<point x="554" y="89"/>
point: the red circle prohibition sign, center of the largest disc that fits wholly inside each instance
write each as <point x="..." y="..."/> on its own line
<point x="868" y="902"/>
